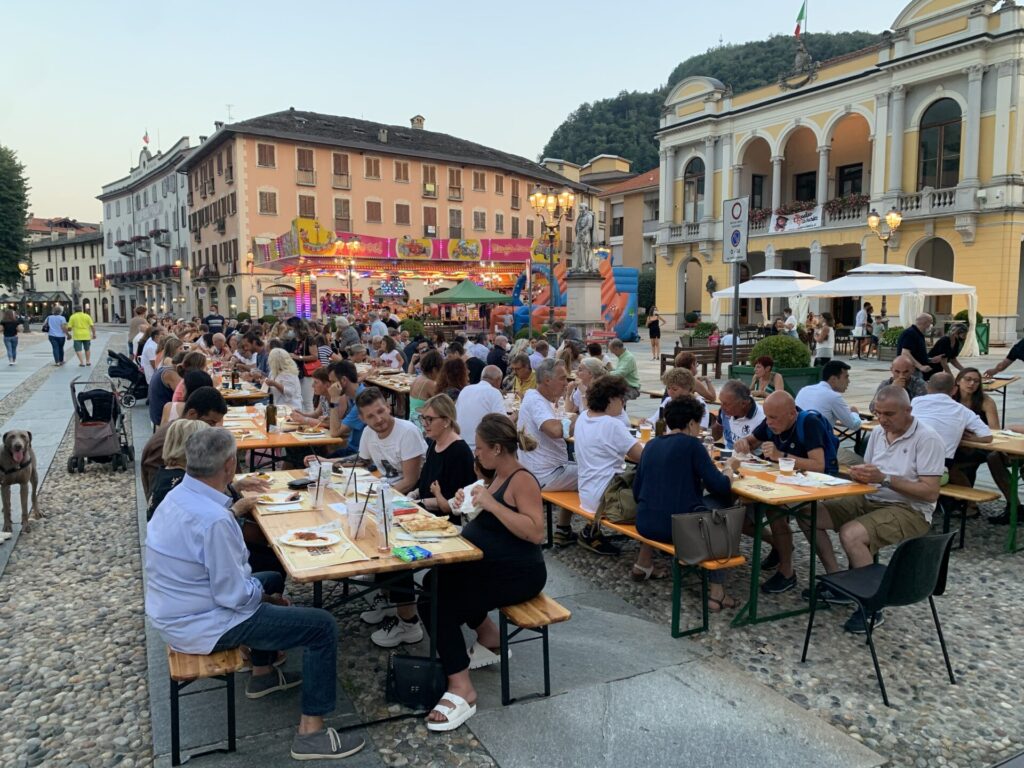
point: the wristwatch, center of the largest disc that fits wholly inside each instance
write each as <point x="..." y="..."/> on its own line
<point x="886" y="481"/>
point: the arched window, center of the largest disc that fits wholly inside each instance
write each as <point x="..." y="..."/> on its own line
<point x="938" y="156"/>
<point x="693" y="190"/>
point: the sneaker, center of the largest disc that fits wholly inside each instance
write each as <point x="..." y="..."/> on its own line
<point x="599" y="545"/>
<point x="564" y="537"/>
<point x="826" y="595"/>
<point x="778" y="584"/>
<point x="380" y="609"/>
<point x="395" y="631"/>
<point x="855" y="624"/>
<point x="264" y="685"/>
<point x="771" y="562"/>
<point x="327" y="744"/>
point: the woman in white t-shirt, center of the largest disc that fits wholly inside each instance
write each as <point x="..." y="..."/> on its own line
<point x="283" y="379"/>
<point x="602" y="443"/>
<point x="825" y="338"/>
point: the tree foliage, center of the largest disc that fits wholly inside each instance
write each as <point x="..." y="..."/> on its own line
<point x="625" y="124"/>
<point x="13" y="215"/>
<point x="646" y="289"/>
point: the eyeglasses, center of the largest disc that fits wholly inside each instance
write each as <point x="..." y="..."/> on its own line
<point x="428" y="420"/>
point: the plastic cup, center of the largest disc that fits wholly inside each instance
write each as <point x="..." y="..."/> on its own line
<point x="645" y="433"/>
<point x="787" y="466"/>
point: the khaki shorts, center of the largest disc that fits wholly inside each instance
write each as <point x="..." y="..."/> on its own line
<point x="886" y="522"/>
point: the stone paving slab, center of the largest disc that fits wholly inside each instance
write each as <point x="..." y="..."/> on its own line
<point x="692" y="714"/>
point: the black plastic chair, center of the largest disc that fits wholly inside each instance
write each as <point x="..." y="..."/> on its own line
<point x="916" y="571"/>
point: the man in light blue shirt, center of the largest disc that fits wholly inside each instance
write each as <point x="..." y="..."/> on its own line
<point x="826" y="397"/>
<point x="201" y="595"/>
<point x="377" y="327"/>
<point x="57" y="332"/>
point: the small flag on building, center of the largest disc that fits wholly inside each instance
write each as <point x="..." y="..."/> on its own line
<point x="800" y="18"/>
<point x="145" y="136"/>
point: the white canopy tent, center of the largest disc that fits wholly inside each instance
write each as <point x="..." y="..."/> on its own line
<point x="911" y="285"/>
<point x="770" y="284"/>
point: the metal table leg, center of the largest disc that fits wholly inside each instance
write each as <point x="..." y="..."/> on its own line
<point x="1011" y="536"/>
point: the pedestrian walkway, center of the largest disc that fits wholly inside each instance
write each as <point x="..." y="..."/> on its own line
<point x="47" y="413"/>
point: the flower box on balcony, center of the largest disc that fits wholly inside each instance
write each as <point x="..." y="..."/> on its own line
<point x="120" y="243"/>
<point x="796" y="206"/>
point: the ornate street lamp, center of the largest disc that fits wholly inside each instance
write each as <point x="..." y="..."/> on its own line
<point x="552" y="207"/>
<point x="893" y="219"/>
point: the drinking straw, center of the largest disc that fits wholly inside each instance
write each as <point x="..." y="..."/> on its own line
<point x="359" y="525"/>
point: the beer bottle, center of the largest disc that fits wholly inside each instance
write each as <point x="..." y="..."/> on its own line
<point x="271" y="414"/>
<point x="659" y="425"/>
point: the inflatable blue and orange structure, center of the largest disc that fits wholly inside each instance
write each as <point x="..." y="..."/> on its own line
<point x="618" y="297"/>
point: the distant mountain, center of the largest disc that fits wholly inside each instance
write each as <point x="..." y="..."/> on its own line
<point x="625" y="124"/>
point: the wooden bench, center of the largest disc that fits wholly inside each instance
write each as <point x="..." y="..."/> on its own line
<point x="187" y="668"/>
<point x="534" y="616"/>
<point x="570" y="500"/>
<point x="960" y="496"/>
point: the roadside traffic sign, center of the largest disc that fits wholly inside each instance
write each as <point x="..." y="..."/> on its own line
<point x="735" y="215"/>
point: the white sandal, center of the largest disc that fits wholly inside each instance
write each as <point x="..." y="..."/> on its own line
<point x="456" y="715"/>
<point x="482" y="656"/>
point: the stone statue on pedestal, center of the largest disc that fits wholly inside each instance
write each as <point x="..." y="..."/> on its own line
<point x="582" y="251"/>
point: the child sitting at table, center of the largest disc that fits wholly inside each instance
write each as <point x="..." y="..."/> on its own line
<point x="679" y="383"/>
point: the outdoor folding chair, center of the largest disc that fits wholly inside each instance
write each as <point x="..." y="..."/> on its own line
<point x="916" y="571"/>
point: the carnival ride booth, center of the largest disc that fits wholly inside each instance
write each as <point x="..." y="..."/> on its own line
<point x="467" y="294"/>
<point x="913" y="286"/>
<point x="366" y="271"/>
<point x="784" y="284"/>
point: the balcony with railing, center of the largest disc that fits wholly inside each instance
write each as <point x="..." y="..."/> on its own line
<point x="126" y="248"/>
<point x="430" y="190"/>
<point x="650" y="227"/>
<point x="161" y="237"/>
<point x="928" y="202"/>
<point x="455" y="233"/>
<point x="454" y="193"/>
<point x="341" y="180"/>
<point x="229" y="175"/>
<point x="305" y="177"/>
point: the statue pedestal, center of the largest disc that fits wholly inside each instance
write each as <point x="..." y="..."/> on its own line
<point x="583" y="300"/>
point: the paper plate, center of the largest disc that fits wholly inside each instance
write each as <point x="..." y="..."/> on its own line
<point x="321" y="540"/>
<point x="277" y="499"/>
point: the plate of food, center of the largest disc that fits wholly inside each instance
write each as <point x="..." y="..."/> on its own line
<point x="429" y="526"/>
<point x="276" y="499"/>
<point x="312" y="431"/>
<point x="343" y="469"/>
<point x="257" y="476"/>
<point x="388" y="371"/>
<point x="303" y="537"/>
<point x="755" y="464"/>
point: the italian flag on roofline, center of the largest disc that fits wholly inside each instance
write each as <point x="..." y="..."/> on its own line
<point x="800" y="17"/>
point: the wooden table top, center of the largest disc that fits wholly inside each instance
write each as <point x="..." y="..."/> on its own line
<point x="247" y="394"/>
<point x="277" y="524"/>
<point x="991" y="385"/>
<point x="396" y="382"/>
<point x="761" y="486"/>
<point x="257" y="437"/>
<point x="1012" y="444"/>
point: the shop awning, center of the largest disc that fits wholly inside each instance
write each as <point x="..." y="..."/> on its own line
<point x="468" y="292"/>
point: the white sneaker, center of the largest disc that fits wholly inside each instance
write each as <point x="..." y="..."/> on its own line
<point x="380" y="609"/>
<point x="394" y="631"/>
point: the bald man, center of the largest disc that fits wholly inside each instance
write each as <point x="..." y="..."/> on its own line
<point x="478" y="400"/>
<point x="804" y="436"/>
<point x="906" y="459"/>
<point x="913" y="347"/>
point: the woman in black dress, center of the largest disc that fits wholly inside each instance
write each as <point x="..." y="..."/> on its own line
<point x="654" y="322"/>
<point x="448" y="466"/>
<point x="948" y="349"/>
<point x="509" y="531"/>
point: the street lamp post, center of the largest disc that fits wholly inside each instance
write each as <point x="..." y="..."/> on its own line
<point x="181" y="290"/>
<point x="551" y="208"/>
<point x="893" y="219"/>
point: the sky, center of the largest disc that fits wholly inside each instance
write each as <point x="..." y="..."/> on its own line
<point x="83" y="81"/>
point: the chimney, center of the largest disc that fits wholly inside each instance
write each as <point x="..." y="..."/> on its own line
<point x="202" y="139"/>
<point x="382" y="135"/>
<point x="417" y="122"/>
<point x="218" y="124"/>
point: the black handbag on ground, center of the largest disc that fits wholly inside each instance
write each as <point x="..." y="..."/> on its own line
<point x="708" y="534"/>
<point x="416" y="682"/>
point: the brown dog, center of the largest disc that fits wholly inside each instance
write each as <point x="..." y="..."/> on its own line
<point x="18" y="467"/>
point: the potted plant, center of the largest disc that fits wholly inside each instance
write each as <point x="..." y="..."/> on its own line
<point x="887" y="344"/>
<point x="792" y="359"/>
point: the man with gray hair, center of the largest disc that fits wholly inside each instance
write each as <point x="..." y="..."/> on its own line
<point x="549" y="461"/>
<point x="478" y="400"/>
<point x="201" y="596"/>
<point x="906" y="459"/>
<point x="377" y="327"/>
<point x="625" y="366"/>
<point x="347" y="335"/>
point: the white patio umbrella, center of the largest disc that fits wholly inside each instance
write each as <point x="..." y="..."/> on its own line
<point x="772" y="283"/>
<point x="911" y="285"/>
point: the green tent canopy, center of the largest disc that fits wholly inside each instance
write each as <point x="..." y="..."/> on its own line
<point x="468" y="292"/>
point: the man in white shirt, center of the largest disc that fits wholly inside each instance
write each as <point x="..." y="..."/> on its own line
<point x="201" y="596"/>
<point x="478" y="348"/>
<point x="539" y="354"/>
<point x="739" y="415"/>
<point x="951" y="420"/>
<point x="396" y="447"/>
<point x="549" y="461"/>
<point x="791" y="322"/>
<point x="478" y="400"/>
<point x="906" y="459"/>
<point x="726" y="340"/>
<point x="826" y="396"/>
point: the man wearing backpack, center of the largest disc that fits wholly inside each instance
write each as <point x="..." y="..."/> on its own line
<point x="807" y="438"/>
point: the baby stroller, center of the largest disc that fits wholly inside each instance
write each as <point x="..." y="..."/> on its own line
<point x="130" y="381"/>
<point x="100" y="433"/>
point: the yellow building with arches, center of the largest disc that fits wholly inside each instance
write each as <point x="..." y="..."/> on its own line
<point x="925" y="122"/>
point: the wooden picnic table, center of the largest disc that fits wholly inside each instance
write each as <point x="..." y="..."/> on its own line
<point x="249" y="427"/>
<point x="247" y="393"/>
<point x="1010" y="444"/>
<point x="276" y="524"/>
<point x="762" y="488"/>
<point x="396" y="387"/>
